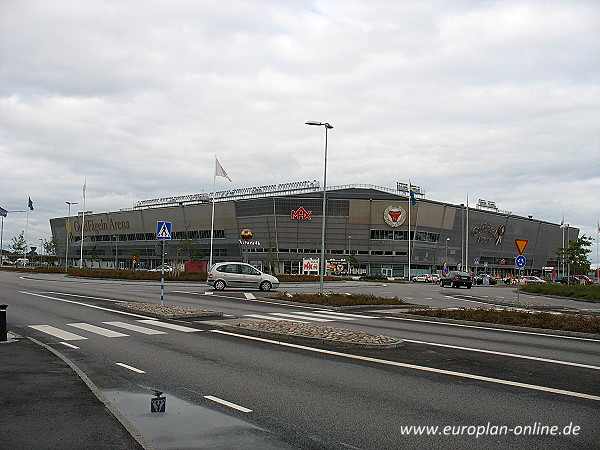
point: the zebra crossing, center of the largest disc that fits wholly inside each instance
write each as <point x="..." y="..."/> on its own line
<point x="104" y="331"/>
<point x="318" y="316"/>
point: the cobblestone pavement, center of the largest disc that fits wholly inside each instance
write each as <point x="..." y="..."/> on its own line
<point x="166" y="312"/>
<point x="318" y="332"/>
<point x="272" y="327"/>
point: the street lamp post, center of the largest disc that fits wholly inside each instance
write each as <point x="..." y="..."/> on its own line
<point x="68" y="227"/>
<point x="322" y="274"/>
<point x="41" y="251"/>
<point x="116" y="249"/>
<point x="447" y="240"/>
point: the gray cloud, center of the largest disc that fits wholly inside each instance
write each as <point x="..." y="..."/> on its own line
<point x="497" y="98"/>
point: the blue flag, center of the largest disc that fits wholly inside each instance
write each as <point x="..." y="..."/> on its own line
<point x="3" y="212"/>
<point x="413" y="200"/>
<point x="30" y="204"/>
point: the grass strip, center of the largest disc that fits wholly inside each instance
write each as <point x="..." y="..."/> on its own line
<point x="336" y="299"/>
<point x="588" y="293"/>
<point x="562" y="322"/>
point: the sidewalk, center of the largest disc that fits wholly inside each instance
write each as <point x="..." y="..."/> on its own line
<point x="46" y="404"/>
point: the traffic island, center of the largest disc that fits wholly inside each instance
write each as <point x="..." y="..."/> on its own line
<point x="166" y="312"/>
<point x="305" y="333"/>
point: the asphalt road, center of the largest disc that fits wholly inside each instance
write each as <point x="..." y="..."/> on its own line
<point x="507" y="387"/>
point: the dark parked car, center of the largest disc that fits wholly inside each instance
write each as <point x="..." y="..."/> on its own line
<point x="373" y="276"/>
<point x="485" y="279"/>
<point x="574" y="279"/>
<point x="457" y="279"/>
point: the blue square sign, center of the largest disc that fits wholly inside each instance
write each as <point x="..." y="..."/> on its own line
<point x="163" y="230"/>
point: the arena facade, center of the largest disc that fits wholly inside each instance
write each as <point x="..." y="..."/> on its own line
<point x="278" y="228"/>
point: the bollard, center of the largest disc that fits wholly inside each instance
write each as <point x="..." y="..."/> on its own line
<point x="3" y="329"/>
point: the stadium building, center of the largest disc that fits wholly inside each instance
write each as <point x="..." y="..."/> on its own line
<point x="278" y="228"/>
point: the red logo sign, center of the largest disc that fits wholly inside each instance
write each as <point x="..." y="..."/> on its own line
<point x="301" y="214"/>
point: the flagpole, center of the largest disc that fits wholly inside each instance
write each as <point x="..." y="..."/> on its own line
<point x="26" y="226"/>
<point x="212" y="217"/>
<point x="597" y="258"/>
<point x="409" y="238"/>
<point x="467" y="237"/>
<point x="82" y="225"/>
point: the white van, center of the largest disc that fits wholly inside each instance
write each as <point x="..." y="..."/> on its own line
<point x="21" y="262"/>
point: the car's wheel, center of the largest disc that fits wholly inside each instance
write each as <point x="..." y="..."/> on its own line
<point x="442" y="284"/>
<point x="468" y="286"/>
<point x="219" y="285"/>
<point x="454" y="285"/>
<point x="265" y="286"/>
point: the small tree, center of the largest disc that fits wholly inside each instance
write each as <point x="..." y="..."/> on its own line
<point x="352" y="260"/>
<point x="18" y="245"/>
<point x="94" y="255"/>
<point x="271" y="259"/>
<point x="51" y="246"/>
<point x="575" y="255"/>
<point x="190" y="245"/>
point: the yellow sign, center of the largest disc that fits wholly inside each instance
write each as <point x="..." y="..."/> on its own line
<point x="521" y="244"/>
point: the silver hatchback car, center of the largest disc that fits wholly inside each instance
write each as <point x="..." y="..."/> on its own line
<point x="239" y="275"/>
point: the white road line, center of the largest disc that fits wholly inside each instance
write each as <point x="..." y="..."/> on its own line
<point x="326" y="316"/>
<point x="85" y="296"/>
<point x="503" y="330"/>
<point x="260" y="316"/>
<point x="249" y="296"/>
<point x="97" y="330"/>
<point x="226" y="403"/>
<point x="512" y="355"/>
<point x="270" y="302"/>
<point x="86" y="304"/>
<point x="133" y="327"/>
<point x="133" y="369"/>
<point x="335" y="313"/>
<point x="66" y="344"/>
<point x="300" y="315"/>
<point x="57" y="332"/>
<point x="170" y="326"/>
<point x="420" y="368"/>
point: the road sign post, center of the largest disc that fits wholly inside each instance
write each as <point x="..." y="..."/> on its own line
<point x="163" y="232"/>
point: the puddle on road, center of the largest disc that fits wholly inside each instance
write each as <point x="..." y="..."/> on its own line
<point x="187" y="425"/>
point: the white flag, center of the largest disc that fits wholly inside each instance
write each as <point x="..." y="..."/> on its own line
<point x="219" y="171"/>
<point x="84" y="186"/>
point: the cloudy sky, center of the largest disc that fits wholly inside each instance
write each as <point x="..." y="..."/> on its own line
<point x="500" y="99"/>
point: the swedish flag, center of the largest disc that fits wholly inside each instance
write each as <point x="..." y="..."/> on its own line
<point x="413" y="199"/>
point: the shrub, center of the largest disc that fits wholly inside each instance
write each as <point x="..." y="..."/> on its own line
<point x="564" y="322"/>
<point x="335" y="299"/>
<point x="589" y="293"/>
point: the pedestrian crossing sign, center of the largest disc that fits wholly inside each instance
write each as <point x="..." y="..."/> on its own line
<point x="163" y="230"/>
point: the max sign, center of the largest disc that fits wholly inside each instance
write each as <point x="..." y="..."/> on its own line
<point x="301" y="214"/>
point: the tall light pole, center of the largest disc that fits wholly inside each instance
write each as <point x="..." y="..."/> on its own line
<point x="447" y="241"/>
<point x="322" y="274"/>
<point x="68" y="227"/>
<point x="116" y="249"/>
<point x="41" y="251"/>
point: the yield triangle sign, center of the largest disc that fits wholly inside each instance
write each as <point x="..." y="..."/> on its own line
<point x="521" y="244"/>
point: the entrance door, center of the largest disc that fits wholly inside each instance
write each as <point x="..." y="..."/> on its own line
<point x="387" y="271"/>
